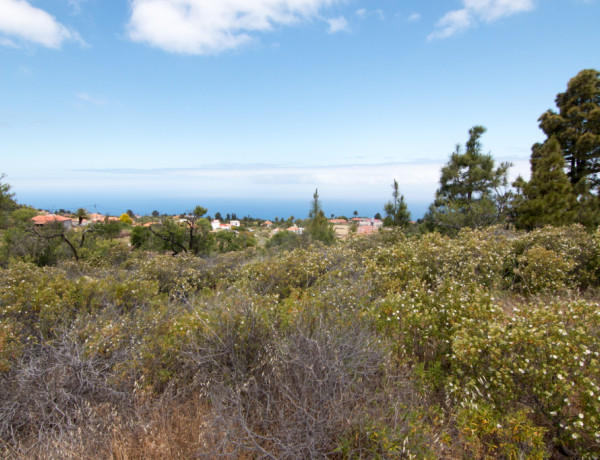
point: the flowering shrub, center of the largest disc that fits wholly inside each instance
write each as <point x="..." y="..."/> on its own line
<point x="296" y="270"/>
<point x="10" y="345"/>
<point x="542" y="270"/>
<point x="573" y="244"/>
<point x="425" y="321"/>
<point x="487" y="433"/>
<point x="419" y="347"/>
<point x="545" y="357"/>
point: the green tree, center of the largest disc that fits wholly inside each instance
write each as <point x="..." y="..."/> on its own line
<point x="547" y="199"/>
<point x="7" y="203"/>
<point x="472" y="189"/>
<point x="283" y="240"/>
<point x="576" y="127"/>
<point x="81" y="214"/>
<point x="155" y="213"/>
<point x="397" y="213"/>
<point x="193" y="235"/>
<point x="319" y="228"/>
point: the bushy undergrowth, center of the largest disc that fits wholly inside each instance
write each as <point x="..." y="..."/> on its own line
<point x="485" y="345"/>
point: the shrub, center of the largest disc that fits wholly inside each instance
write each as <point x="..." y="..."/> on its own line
<point x="425" y="321"/>
<point x="542" y="270"/>
<point x="546" y="357"/>
<point x="486" y="433"/>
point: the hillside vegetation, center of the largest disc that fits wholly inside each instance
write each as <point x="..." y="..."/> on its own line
<point x="481" y="345"/>
<point x="474" y="333"/>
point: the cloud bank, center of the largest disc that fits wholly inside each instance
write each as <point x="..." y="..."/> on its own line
<point x="475" y="11"/>
<point x="210" y="26"/>
<point x="19" y="20"/>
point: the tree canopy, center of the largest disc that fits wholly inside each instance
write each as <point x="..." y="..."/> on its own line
<point x="396" y="210"/>
<point x="319" y="227"/>
<point x="547" y="199"/>
<point x="7" y="203"/>
<point x="470" y="193"/>
<point x="576" y="127"/>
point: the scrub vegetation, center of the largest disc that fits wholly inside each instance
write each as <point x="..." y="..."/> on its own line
<point x="482" y="345"/>
<point x="475" y="336"/>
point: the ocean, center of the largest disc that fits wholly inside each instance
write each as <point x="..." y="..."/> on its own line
<point x="263" y="208"/>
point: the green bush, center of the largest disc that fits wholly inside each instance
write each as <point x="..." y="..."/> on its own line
<point x="542" y="270"/>
<point x="544" y="357"/>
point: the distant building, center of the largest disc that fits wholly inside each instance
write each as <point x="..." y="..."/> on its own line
<point x="217" y="225"/>
<point x="366" y="230"/>
<point x="366" y="222"/>
<point x="296" y="230"/>
<point x="234" y="223"/>
<point x="95" y="217"/>
<point x="49" y="219"/>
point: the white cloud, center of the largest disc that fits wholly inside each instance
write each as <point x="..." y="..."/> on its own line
<point x="339" y="24"/>
<point x="24" y="72"/>
<point x="7" y="42"/>
<point x="474" y="11"/>
<point x="85" y="97"/>
<point x="210" y="26"/>
<point x="364" y="13"/>
<point x="352" y="181"/>
<point x="19" y="19"/>
<point x="76" y="5"/>
<point x="414" y="17"/>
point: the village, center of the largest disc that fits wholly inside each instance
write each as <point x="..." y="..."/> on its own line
<point x="343" y="227"/>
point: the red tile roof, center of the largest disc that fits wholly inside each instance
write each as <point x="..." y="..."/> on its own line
<point x="48" y="219"/>
<point x="95" y="216"/>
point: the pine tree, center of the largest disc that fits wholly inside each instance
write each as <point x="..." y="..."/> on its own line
<point x="469" y="188"/>
<point x="548" y="198"/>
<point x="7" y="202"/>
<point x="319" y="227"/>
<point x="577" y="129"/>
<point x="397" y="213"/>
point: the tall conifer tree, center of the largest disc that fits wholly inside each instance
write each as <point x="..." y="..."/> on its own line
<point x="576" y="127"/>
<point x="548" y="198"/>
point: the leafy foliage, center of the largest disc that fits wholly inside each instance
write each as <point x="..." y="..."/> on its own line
<point x="577" y="128"/>
<point x="397" y="213"/>
<point x="548" y="197"/>
<point x="470" y="188"/>
<point x="319" y="227"/>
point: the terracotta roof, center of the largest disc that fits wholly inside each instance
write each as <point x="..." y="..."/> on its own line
<point x="95" y="216"/>
<point x="366" y="230"/>
<point x="48" y="219"/>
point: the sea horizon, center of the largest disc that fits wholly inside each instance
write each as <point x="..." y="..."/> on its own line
<point x="260" y="208"/>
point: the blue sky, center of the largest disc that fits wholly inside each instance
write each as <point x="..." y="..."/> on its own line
<point x="116" y="103"/>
